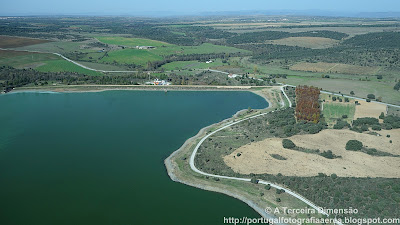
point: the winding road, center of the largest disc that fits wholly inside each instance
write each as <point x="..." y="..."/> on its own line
<point x="298" y="196"/>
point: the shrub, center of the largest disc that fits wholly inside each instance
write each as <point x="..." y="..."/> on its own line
<point x="368" y="100"/>
<point x="286" y="143"/>
<point x="354" y="145"/>
<point x="340" y="124"/>
<point x="334" y="176"/>
<point x="379" y="77"/>
<point x="382" y="116"/>
<point x="329" y="155"/>
<point x="365" y="121"/>
<point x="346" y="100"/>
<point x="254" y="180"/>
<point x="344" y="116"/>
<point x="352" y="92"/>
<point x="371" y="96"/>
<point x="333" y="98"/>
<point x="397" y="86"/>
<point x="278" y="200"/>
<point x="268" y="187"/>
<point x="376" y="127"/>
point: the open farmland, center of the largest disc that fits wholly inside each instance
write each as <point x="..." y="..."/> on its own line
<point x="20" y="59"/>
<point x="129" y="56"/>
<point x="205" y="48"/>
<point x="369" y="109"/>
<point x="256" y="157"/>
<point x="58" y="47"/>
<point x="179" y="65"/>
<point x="323" y="67"/>
<point x="131" y="42"/>
<point x="62" y="65"/>
<point x="13" y="42"/>
<point x="335" y="110"/>
<point x="306" y="42"/>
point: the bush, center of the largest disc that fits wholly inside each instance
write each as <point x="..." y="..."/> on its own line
<point x="368" y="100"/>
<point x="268" y="187"/>
<point x="329" y="155"/>
<point x="345" y="116"/>
<point x="365" y="121"/>
<point x="278" y="200"/>
<point x="254" y="180"/>
<point x="334" y="176"/>
<point x="382" y="116"/>
<point x="288" y="144"/>
<point x="340" y="124"/>
<point x="333" y="98"/>
<point x="354" y="145"/>
<point x="376" y="127"/>
<point x="352" y="92"/>
<point x="371" y="96"/>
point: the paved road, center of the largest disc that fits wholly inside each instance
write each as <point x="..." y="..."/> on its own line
<point x="193" y="167"/>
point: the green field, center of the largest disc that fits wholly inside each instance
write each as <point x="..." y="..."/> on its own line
<point x="333" y="111"/>
<point x="132" y="42"/>
<point x="129" y="56"/>
<point x="180" y="65"/>
<point x="64" y="66"/>
<point x="24" y="59"/>
<point x="205" y="48"/>
<point x="58" y="47"/>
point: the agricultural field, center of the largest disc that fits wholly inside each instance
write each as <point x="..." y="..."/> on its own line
<point x="13" y="42"/>
<point x="306" y="42"/>
<point x="131" y="42"/>
<point x="185" y="65"/>
<point x="62" y="65"/>
<point x="256" y="157"/>
<point x="333" y="111"/>
<point x="322" y="67"/>
<point x="58" y="47"/>
<point x="129" y="56"/>
<point x="205" y="48"/>
<point x="22" y="60"/>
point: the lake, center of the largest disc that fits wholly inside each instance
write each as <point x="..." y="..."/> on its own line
<point x="97" y="157"/>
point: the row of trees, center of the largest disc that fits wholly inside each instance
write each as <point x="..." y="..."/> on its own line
<point x="307" y="105"/>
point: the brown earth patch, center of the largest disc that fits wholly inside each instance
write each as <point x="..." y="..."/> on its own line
<point x="256" y="157"/>
<point x="369" y="109"/>
<point x="322" y="67"/>
<point x="14" y="42"/>
<point x="307" y="42"/>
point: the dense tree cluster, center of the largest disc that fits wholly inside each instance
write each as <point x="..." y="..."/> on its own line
<point x="375" y="40"/>
<point x="307" y="105"/>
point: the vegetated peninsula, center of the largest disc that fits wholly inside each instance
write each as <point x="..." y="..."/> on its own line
<point x="329" y="138"/>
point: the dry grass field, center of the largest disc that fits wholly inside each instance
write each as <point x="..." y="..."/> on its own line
<point x="306" y="42"/>
<point x="322" y="67"/>
<point x="369" y="109"/>
<point x="256" y="157"/>
<point x="14" y="42"/>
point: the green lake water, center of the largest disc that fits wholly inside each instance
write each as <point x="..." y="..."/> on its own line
<point x="97" y="158"/>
